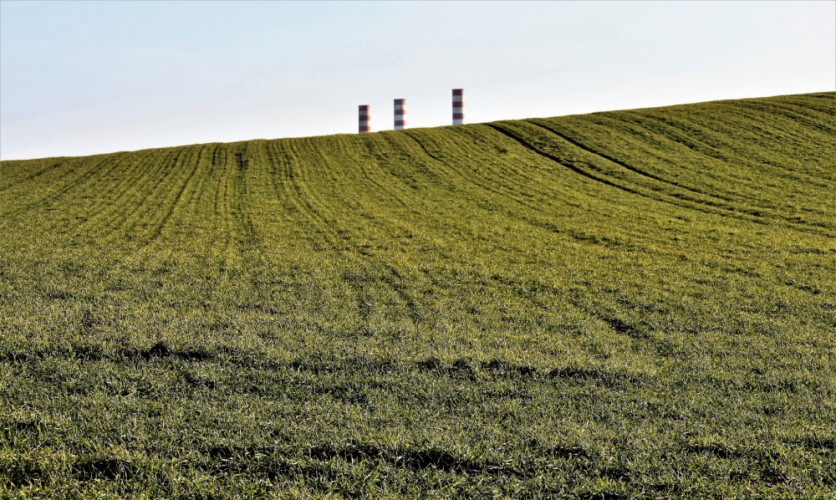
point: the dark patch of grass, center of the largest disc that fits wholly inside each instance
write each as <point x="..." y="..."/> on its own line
<point x="504" y="369"/>
<point x="274" y="461"/>
<point x="324" y="366"/>
<point x="458" y="368"/>
<point x="266" y="462"/>
<point x="198" y="382"/>
<point x="623" y="328"/>
<point x="94" y="352"/>
<point x="605" y="377"/>
<point x="351" y="393"/>
<point x="88" y="352"/>
<point x="161" y="350"/>
<point x="823" y="445"/>
<point x="59" y="295"/>
<point x="616" y="473"/>
<point x="230" y="452"/>
<point x="415" y="459"/>
<point x="93" y="469"/>
<point x="718" y="450"/>
<point x="771" y="474"/>
<point x="604" y="495"/>
<point x="22" y="472"/>
<point x="571" y="452"/>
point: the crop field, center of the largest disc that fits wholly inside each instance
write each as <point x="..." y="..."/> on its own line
<point x="625" y="304"/>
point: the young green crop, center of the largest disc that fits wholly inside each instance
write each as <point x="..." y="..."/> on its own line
<point x="635" y="303"/>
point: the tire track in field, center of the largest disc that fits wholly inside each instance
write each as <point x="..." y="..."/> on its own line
<point x="77" y="205"/>
<point x="768" y="173"/>
<point x="789" y="177"/>
<point x="745" y="204"/>
<point x="402" y="203"/>
<point x="157" y="230"/>
<point x="544" y="202"/>
<point x="66" y="168"/>
<point x="265" y="214"/>
<point x="206" y="209"/>
<point x="293" y="188"/>
<point x="430" y="184"/>
<point x="385" y="169"/>
<point x="512" y="181"/>
<point x="51" y="165"/>
<point x="152" y="226"/>
<point x="183" y="213"/>
<point x="377" y="204"/>
<point x="378" y="170"/>
<point x="641" y="172"/>
<point x="82" y="192"/>
<point x="824" y="102"/>
<point x="524" y="182"/>
<point x="220" y="242"/>
<point x="309" y="204"/>
<point x="132" y="199"/>
<point x="222" y="163"/>
<point x="321" y="171"/>
<point x="683" y="134"/>
<point x="277" y="170"/>
<point x="388" y="222"/>
<point x="490" y="185"/>
<point x="153" y="172"/>
<point x="497" y="187"/>
<point x="114" y="208"/>
<point x="244" y="156"/>
<point x="226" y="162"/>
<point x="83" y="205"/>
<point x="281" y="174"/>
<point x="112" y="192"/>
<point x="532" y="182"/>
<point x="64" y="215"/>
<point x="359" y="205"/>
<point x="60" y="191"/>
<point x="488" y="198"/>
<point x="744" y="127"/>
<point x="572" y="165"/>
<point x="747" y="193"/>
<point x="385" y="191"/>
<point x="476" y="205"/>
<point x="499" y="127"/>
<point x="525" y="195"/>
<point x="38" y="208"/>
<point x="784" y="129"/>
<point x="680" y="201"/>
<point x="803" y="116"/>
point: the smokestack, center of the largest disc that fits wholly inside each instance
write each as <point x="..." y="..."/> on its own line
<point x="364" y="119"/>
<point x="400" y="111"/>
<point x="458" y="106"/>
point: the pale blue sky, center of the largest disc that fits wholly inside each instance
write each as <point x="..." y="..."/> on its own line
<point x="88" y="77"/>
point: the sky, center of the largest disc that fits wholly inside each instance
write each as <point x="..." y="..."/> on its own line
<point x="79" y="78"/>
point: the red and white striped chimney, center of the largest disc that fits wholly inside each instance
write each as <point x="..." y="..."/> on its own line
<point x="458" y="106"/>
<point x="364" y="119"/>
<point x="400" y="111"/>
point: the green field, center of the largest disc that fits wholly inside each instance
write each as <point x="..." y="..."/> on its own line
<point x="633" y="303"/>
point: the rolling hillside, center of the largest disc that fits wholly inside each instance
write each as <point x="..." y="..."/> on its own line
<point x="631" y="303"/>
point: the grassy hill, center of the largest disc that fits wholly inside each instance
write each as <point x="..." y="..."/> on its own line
<point x="636" y="303"/>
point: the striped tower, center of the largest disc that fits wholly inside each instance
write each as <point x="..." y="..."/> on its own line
<point x="364" y="119"/>
<point x="400" y="111"/>
<point x="458" y="106"/>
